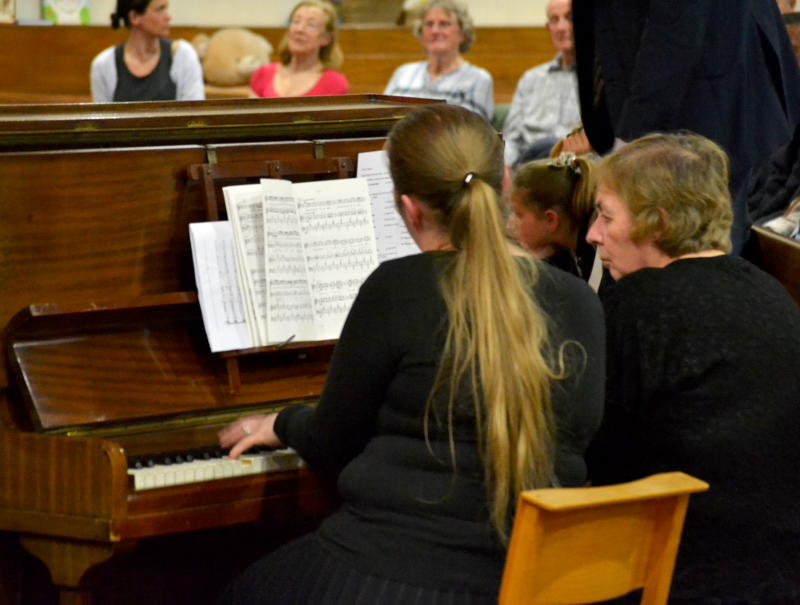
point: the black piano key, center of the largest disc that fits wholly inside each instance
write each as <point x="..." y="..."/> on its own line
<point x="179" y="457"/>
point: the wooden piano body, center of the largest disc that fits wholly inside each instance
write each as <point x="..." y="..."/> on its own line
<point x="777" y="255"/>
<point x="105" y="353"/>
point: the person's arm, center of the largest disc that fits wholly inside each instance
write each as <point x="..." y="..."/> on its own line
<point x="337" y="429"/>
<point x="612" y="454"/>
<point x="575" y="142"/>
<point x="391" y="87"/>
<point x="333" y="83"/>
<point x="579" y="397"/>
<point x="362" y="366"/>
<point x="103" y="77"/>
<point x="343" y="84"/>
<point x="187" y="73"/>
<point x="513" y="134"/>
<point x="261" y="79"/>
<point x="483" y="95"/>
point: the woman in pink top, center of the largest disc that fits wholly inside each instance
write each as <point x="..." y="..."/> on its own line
<point x="309" y="56"/>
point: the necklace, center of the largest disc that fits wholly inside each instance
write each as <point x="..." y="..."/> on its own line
<point x="140" y="57"/>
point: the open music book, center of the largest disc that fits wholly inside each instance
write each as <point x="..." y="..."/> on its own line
<point x="290" y="259"/>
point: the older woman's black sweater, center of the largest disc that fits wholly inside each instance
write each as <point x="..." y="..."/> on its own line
<point x="704" y="377"/>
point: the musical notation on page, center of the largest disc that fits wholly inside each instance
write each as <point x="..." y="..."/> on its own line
<point x="298" y="253"/>
<point x="391" y="235"/>
<point x="245" y="210"/>
<point x="217" y="286"/>
<point x="289" y="310"/>
<point x="338" y="244"/>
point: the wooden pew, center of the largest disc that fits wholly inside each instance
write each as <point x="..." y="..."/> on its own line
<point x="54" y="61"/>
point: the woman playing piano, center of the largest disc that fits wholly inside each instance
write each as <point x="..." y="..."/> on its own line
<point x="463" y="375"/>
<point x="147" y="67"/>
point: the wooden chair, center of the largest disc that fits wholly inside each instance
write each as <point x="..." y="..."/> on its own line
<point x="589" y="544"/>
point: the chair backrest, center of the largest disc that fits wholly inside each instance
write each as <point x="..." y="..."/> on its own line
<point x="588" y="544"/>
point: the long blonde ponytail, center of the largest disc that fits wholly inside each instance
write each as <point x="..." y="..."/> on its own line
<point x="497" y="335"/>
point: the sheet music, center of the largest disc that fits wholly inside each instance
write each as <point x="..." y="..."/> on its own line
<point x="289" y="313"/>
<point x="300" y="251"/>
<point x="392" y="237"/>
<point x="246" y="212"/>
<point x="214" y="260"/>
<point x="338" y="246"/>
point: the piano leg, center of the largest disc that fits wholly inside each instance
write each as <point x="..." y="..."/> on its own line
<point x="68" y="561"/>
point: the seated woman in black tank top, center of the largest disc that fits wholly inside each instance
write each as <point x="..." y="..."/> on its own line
<point x="147" y="67"/>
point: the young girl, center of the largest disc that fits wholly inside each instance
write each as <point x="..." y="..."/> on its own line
<point x="552" y="202"/>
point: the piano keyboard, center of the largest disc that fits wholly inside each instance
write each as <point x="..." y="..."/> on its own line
<point x="167" y="470"/>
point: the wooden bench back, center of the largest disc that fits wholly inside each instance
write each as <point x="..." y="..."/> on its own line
<point x="53" y="62"/>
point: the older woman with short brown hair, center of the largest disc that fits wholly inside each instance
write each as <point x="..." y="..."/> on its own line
<point x="703" y="357"/>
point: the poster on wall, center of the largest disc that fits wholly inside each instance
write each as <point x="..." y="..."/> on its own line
<point x="7" y="11"/>
<point x="66" y="12"/>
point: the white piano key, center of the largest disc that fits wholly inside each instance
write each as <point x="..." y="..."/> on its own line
<point x="165" y="475"/>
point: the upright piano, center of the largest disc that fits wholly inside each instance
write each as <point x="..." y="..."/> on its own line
<point x="106" y="364"/>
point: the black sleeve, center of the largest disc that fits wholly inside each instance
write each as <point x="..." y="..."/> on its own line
<point x="362" y="366"/>
<point x="579" y="335"/>
<point x="611" y="456"/>
<point x="594" y="112"/>
<point x="671" y="49"/>
<point x="776" y="181"/>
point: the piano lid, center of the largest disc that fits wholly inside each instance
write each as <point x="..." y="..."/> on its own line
<point x="129" y="361"/>
<point x="82" y="125"/>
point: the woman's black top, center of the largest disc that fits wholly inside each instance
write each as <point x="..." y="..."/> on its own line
<point x="704" y="378"/>
<point x="407" y="513"/>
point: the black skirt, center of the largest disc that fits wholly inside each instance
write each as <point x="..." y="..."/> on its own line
<point x="305" y="572"/>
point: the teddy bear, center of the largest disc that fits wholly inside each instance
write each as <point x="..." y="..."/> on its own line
<point x="230" y="56"/>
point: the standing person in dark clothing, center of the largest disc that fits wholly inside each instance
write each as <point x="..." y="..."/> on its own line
<point x="723" y="70"/>
<point x="462" y="376"/>
<point x="703" y="370"/>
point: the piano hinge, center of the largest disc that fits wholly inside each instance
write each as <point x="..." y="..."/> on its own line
<point x="211" y="155"/>
<point x="222" y="416"/>
<point x="319" y="150"/>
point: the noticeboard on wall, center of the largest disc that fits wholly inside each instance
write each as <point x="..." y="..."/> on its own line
<point x="7" y="11"/>
<point x="66" y="12"/>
